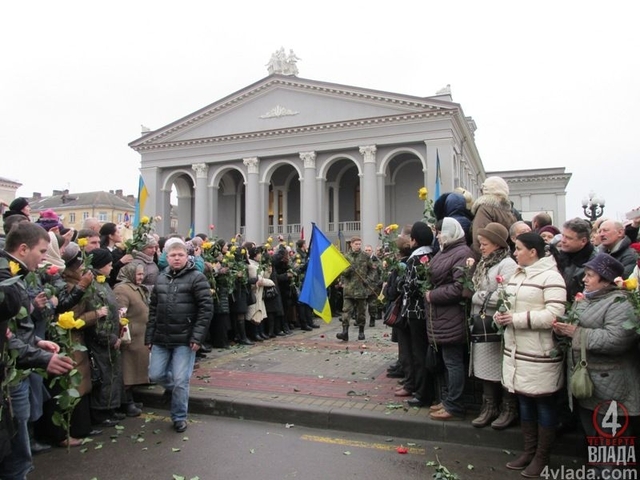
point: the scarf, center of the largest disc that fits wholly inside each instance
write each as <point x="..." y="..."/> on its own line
<point x="486" y="263"/>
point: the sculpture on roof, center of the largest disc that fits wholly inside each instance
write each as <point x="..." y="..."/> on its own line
<point x="282" y="63"/>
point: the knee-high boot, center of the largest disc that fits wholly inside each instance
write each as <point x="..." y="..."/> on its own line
<point x="242" y="334"/>
<point x="509" y="412"/>
<point x="530" y="434"/>
<point x="546" y="436"/>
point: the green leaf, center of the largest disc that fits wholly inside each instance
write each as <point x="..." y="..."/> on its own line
<point x="72" y="392"/>
<point x="469" y="467"/>
<point x="431" y="463"/>
<point x="177" y="477"/>
<point x="347" y="453"/>
<point x="252" y="451"/>
<point x="174" y="450"/>
<point x="98" y="447"/>
<point x="83" y="450"/>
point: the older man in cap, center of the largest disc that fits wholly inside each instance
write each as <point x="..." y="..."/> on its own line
<point x="357" y="281"/>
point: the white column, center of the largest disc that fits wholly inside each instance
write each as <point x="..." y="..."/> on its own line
<point x="201" y="214"/>
<point x="321" y="207"/>
<point x="252" y="200"/>
<point x="380" y="179"/>
<point x="215" y="191"/>
<point x="310" y="200"/>
<point x="369" y="196"/>
<point x="275" y="208"/>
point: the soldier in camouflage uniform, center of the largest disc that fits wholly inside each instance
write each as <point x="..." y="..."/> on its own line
<point x="357" y="282"/>
<point x="373" y="304"/>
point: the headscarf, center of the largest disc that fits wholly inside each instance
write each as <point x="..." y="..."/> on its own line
<point x="127" y="273"/>
<point x="451" y="231"/>
<point x="53" y="256"/>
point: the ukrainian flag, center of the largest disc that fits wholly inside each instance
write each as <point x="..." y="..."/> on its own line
<point x="143" y="194"/>
<point x="325" y="264"/>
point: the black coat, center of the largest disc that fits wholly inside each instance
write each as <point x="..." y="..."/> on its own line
<point x="180" y="309"/>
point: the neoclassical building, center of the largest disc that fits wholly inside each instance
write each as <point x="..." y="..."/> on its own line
<point x="285" y="151"/>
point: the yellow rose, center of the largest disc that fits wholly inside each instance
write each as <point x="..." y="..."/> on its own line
<point x="379" y="227"/>
<point x="66" y="321"/>
<point x="422" y="193"/>
<point x="101" y="279"/>
<point x="631" y="284"/>
<point x="270" y="240"/>
<point x="14" y="267"/>
<point x="393" y="227"/>
<point x="267" y="245"/>
<point x="291" y="244"/>
<point x="297" y="255"/>
<point x="144" y="220"/>
<point x="229" y="254"/>
<point x="243" y="251"/>
<point x="207" y="245"/>
<point x="82" y="242"/>
<point x="124" y="321"/>
<point x="233" y="248"/>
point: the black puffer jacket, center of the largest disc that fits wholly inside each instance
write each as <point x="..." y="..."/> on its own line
<point x="181" y="308"/>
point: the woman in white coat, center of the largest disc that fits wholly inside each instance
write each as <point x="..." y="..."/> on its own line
<point x="537" y="295"/>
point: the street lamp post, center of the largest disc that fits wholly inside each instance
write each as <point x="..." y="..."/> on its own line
<point x="593" y="207"/>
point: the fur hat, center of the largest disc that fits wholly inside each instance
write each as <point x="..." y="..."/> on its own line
<point x="551" y="229"/>
<point x="422" y="234"/>
<point x="100" y="258"/>
<point x="606" y="266"/>
<point x="496" y="233"/>
<point x="495" y="186"/>
<point x="72" y="255"/>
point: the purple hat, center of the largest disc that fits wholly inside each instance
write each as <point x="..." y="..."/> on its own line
<point x="606" y="266"/>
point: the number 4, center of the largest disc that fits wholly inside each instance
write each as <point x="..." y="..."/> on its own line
<point x="610" y="419"/>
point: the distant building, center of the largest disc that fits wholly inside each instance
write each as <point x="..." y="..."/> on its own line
<point x="8" y="190"/>
<point x="74" y="208"/>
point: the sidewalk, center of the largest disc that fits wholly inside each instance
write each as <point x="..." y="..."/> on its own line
<point x="315" y="380"/>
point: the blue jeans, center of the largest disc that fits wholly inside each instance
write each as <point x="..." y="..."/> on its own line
<point x="16" y="465"/>
<point x="542" y="410"/>
<point x="172" y="367"/>
<point x="453" y="358"/>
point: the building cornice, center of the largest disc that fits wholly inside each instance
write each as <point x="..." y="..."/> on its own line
<point x="322" y="127"/>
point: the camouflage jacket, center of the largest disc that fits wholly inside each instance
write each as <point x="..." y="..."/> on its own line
<point x="358" y="280"/>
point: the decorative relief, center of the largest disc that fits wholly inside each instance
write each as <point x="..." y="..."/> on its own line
<point x="201" y="169"/>
<point x="278" y="111"/>
<point x="309" y="159"/>
<point x="252" y="164"/>
<point x="369" y="153"/>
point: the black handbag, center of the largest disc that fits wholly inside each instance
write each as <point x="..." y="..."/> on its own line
<point x="251" y="296"/>
<point x="269" y="293"/>
<point x="392" y="315"/>
<point x="483" y="327"/>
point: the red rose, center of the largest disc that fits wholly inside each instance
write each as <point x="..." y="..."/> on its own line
<point x="212" y="226"/>
<point x="424" y="259"/>
<point x="579" y="296"/>
<point x="499" y="279"/>
<point x="402" y="450"/>
<point x="52" y="270"/>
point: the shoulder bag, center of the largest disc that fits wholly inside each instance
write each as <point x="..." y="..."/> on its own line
<point x="581" y="384"/>
<point x="392" y="315"/>
<point x="483" y="328"/>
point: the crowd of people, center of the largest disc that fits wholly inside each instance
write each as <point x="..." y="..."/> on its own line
<point x="479" y="294"/>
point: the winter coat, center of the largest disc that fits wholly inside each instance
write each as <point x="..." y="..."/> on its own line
<point x="571" y="266"/>
<point x="537" y="295"/>
<point x="274" y="304"/>
<point x="612" y="354"/>
<point x="359" y="278"/>
<point x="180" y="309"/>
<point x="409" y="284"/>
<point x="490" y="208"/>
<point x="454" y="205"/>
<point x="445" y="312"/>
<point x="626" y="255"/>
<point x="257" y="312"/>
<point x="506" y="268"/>
<point x="135" y="355"/>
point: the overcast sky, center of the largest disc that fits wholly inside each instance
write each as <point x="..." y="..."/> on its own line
<point x="549" y="84"/>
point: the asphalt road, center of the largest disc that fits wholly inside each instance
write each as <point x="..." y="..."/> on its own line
<point x="147" y="448"/>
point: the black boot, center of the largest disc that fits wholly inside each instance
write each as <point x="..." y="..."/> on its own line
<point x="260" y="331"/>
<point x="252" y="332"/>
<point x="361" y="332"/>
<point x="242" y="334"/>
<point x="344" y="336"/>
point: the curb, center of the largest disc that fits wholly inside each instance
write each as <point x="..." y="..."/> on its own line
<point x="410" y="426"/>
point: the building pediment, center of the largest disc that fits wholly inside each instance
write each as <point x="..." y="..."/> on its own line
<point x="285" y="104"/>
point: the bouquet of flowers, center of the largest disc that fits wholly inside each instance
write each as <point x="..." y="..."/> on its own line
<point x="563" y="344"/>
<point x="387" y="237"/>
<point x="424" y="274"/>
<point x="632" y="295"/>
<point x="141" y="234"/>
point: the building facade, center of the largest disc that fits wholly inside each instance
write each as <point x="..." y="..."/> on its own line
<point x="285" y="152"/>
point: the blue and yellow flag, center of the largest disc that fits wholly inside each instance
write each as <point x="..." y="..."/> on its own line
<point x="143" y="194"/>
<point x="325" y="264"/>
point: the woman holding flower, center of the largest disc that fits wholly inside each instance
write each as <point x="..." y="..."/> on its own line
<point x="111" y="240"/>
<point x="530" y="368"/>
<point x="494" y="268"/>
<point x="612" y="354"/>
<point x="132" y="298"/>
